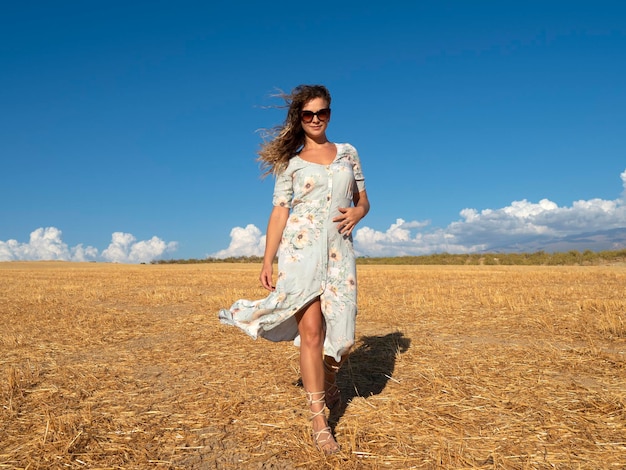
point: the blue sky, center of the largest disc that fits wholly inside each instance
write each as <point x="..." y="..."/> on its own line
<point x="128" y="130"/>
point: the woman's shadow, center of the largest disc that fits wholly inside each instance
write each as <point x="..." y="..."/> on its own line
<point x="368" y="369"/>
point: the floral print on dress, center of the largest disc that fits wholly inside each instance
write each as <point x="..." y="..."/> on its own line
<point x="314" y="259"/>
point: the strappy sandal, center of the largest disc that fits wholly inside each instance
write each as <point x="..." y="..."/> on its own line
<point x="324" y="439"/>
<point x="333" y="393"/>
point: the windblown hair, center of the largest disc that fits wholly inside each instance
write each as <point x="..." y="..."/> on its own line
<point x="282" y="142"/>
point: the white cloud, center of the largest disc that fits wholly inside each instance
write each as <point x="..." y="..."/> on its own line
<point x="47" y="244"/>
<point x="84" y="254"/>
<point x="515" y="225"/>
<point x="148" y="250"/>
<point x="247" y="241"/>
<point x="125" y="249"/>
<point x="397" y="239"/>
<point x="488" y="229"/>
<point x="119" y="247"/>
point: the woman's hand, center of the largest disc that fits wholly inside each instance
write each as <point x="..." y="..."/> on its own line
<point x="275" y="226"/>
<point x="347" y="220"/>
<point x="350" y="216"/>
<point x="266" y="277"/>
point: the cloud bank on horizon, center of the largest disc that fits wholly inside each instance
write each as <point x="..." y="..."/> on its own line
<point x="476" y="231"/>
<point x="47" y="244"/>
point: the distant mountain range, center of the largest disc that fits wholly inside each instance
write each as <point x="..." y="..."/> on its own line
<point x="604" y="240"/>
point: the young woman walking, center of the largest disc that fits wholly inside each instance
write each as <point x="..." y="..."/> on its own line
<point x="319" y="197"/>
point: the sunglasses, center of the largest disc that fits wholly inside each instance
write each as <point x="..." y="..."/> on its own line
<point x="322" y="115"/>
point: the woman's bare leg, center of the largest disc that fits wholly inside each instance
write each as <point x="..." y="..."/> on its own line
<point x="333" y="394"/>
<point x="311" y="329"/>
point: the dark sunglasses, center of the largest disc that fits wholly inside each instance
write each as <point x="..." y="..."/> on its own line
<point x="322" y="115"/>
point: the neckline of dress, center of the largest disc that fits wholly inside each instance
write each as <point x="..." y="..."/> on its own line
<point x="322" y="164"/>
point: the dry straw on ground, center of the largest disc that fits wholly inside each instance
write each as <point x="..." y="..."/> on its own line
<point x="113" y="366"/>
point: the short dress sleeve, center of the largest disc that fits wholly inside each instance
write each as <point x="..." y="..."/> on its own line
<point x="283" y="189"/>
<point x="356" y="168"/>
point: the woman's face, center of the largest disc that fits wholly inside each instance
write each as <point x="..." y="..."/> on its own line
<point x="319" y="121"/>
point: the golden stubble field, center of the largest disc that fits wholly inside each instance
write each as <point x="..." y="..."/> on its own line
<point x="126" y="366"/>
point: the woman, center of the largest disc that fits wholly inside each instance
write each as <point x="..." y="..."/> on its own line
<point x="319" y="197"/>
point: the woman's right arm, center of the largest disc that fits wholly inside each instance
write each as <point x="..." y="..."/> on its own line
<point x="275" y="226"/>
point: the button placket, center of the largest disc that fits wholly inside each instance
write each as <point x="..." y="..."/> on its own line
<point x="329" y="196"/>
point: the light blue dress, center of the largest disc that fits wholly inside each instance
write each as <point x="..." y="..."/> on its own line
<point x="314" y="259"/>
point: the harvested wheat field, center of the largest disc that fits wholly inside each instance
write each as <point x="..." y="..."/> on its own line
<point x="126" y="366"/>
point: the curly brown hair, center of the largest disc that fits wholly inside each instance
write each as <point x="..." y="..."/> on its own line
<point x="284" y="141"/>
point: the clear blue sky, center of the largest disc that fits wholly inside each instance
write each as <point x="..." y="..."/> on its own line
<point x="140" y="119"/>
